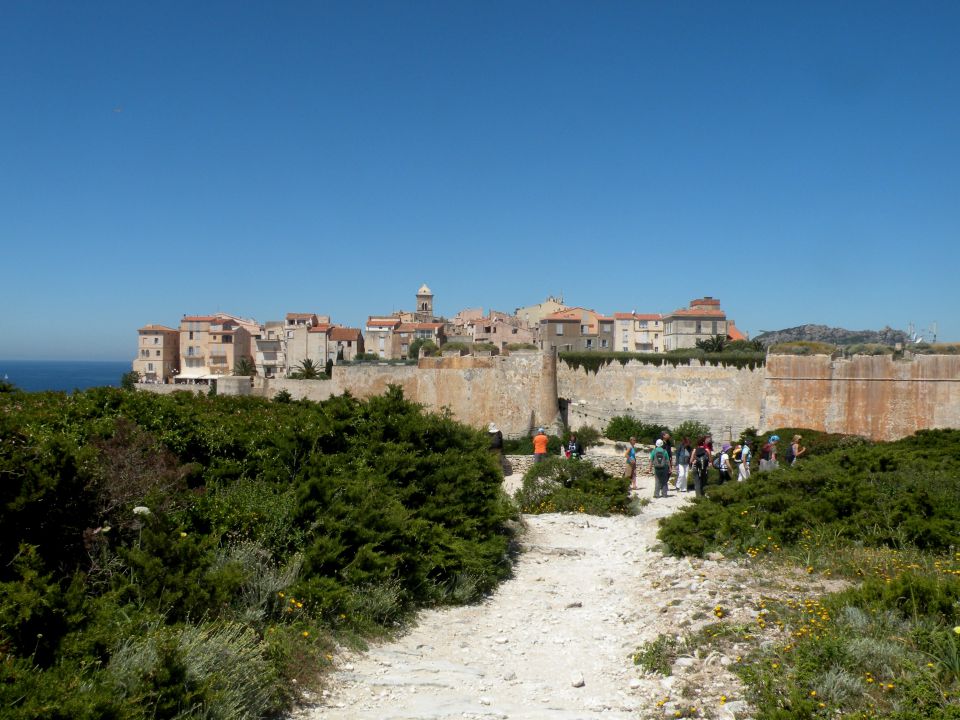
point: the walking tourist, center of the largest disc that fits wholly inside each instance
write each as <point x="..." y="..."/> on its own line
<point x="684" y="455"/>
<point x="725" y="464"/>
<point x="701" y="466"/>
<point x="745" y="457"/>
<point x="796" y="450"/>
<point x="631" y="471"/>
<point x="661" y="469"/>
<point x="540" y="446"/>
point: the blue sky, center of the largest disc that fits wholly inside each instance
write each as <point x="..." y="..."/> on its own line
<point x="798" y="160"/>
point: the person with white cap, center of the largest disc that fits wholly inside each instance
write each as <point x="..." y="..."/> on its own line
<point x="496" y="438"/>
<point x="661" y="469"/>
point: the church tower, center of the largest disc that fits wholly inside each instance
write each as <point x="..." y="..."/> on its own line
<point x="424" y="311"/>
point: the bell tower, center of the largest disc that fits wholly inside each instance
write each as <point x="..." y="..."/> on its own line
<point x="424" y="311"/>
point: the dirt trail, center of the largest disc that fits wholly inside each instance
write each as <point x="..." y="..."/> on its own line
<point x="553" y="642"/>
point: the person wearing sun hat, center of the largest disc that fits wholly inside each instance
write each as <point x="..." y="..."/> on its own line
<point x="496" y="438"/>
<point x="725" y="464"/>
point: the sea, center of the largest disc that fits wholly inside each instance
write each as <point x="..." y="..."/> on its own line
<point x="63" y="375"/>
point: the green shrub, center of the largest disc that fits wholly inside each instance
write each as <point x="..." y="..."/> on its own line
<point x="560" y="485"/>
<point x="692" y="429"/>
<point x="623" y="427"/>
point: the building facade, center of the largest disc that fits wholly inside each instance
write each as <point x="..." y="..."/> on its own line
<point x="703" y="319"/>
<point x="577" y="330"/>
<point x="158" y="354"/>
<point x="639" y="332"/>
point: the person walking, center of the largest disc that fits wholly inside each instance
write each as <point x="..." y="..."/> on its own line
<point x="700" y="466"/>
<point x="745" y="457"/>
<point x="661" y="469"/>
<point x="796" y="450"/>
<point x="540" y="446"/>
<point x="631" y="470"/>
<point x="668" y="446"/>
<point x="725" y="464"/>
<point x="684" y="455"/>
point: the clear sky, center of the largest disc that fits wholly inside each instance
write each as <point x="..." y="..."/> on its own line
<point x="800" y="161"/>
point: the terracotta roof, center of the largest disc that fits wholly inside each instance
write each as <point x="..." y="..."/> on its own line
<point x="705" y="301"/>
<point x="575" y="313"/>
<point x="707" y="312"/>
<point x="382" y="322"/>
<point x="157" y="328"/>
<point x="733" y="332"/>
<point x="300" y="316"/>
<point x="320" y="328"/>
<point x="344" y="333"/>
<point x="410" y="327"/>
<point x="200" y="318"/>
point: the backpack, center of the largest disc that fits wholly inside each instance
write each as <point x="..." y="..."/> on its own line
<point x="716" y="461"/>
<point x="702" y="460"/>
<point x="659" y="458"/>
<point x="790" y="455"/>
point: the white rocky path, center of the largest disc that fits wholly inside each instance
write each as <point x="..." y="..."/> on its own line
<point x="553" y="642"/>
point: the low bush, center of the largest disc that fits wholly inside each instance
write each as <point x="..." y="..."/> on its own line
<point x="883" y="515"/>
<point x="623" y="427"/>
<point x="560" y="485"/>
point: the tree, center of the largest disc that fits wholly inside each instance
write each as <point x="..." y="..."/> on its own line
<point x="307" y="370"/>
<point x="713" y="344"/>
<point x="429" y="348"/>
<point x="129" y="380"/>
<point x="244" y="366"/>
<point x="328" y="368"/>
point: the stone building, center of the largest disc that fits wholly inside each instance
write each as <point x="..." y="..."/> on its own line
<point x="575" y="330"/>
<point x="211" y="345"/>
<point x="158" y="354"/>
<point x="638" y="333"/>
<point x="703" y="319"/>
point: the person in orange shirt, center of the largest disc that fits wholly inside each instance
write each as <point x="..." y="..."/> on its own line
<point x="539" y="445"/>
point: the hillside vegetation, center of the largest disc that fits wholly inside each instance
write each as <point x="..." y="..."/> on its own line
<point x="883" y="516"/>
<point x="181" y="556"/>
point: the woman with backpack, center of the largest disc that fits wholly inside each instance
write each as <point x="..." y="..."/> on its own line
<point x="725" y="464"/>
<point x="660" y="461"/>
<point x="700" y="466"/>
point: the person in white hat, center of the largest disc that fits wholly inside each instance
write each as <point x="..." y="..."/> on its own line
<point x="660" y="461"/>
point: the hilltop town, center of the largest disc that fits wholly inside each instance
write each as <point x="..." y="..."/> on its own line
<point x="205" y="347"/>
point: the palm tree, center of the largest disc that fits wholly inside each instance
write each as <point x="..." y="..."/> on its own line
<point x="244" y="366"/>
<point x="307" y="370"/>
<point x="713" y="344"/>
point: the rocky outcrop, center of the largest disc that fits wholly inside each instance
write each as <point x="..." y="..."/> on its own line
<point x="833" y="336"/>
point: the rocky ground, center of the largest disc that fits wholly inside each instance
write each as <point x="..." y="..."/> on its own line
<point x="557" y="640"/>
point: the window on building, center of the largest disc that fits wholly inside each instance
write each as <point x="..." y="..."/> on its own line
<point x="643" y="324"/>
<point x="156" y="340"/>
<point x="714" y="327"/>
<point x="157" y="353"/>
<point x="559" y="328"/>
<point x="589" y="343"/>
<point x="150" y="367"/>
<point x="656" y="336"/>
<point x="603" y="343"/>
<point x="699" y="329"/>
<point x="584" y="329"/>
<point x="191" y="335"/>
<point x="625" y="348"/>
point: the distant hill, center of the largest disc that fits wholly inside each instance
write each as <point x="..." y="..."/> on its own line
<point x="834" y="336"/>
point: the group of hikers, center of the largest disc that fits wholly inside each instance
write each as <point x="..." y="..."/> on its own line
<point x="685" y="463"/>
<point x="695" y="461"/>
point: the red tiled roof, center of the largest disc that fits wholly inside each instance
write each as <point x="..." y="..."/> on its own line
<point x="344" y="333"/>
<point x="157" y="328"/>
<point x="705" y="301"/>
<point x="300" y="316"/>
<point x="320" y="328"/>
<point x="382" y="322"/>
<point x="570" y="314"/>
<point x="733" y="332"/>
<point x="201" y="318"/>
<point x="707" y="312"/>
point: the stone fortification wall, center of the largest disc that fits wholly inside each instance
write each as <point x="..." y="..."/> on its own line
<point x="613" y="463"/>
<point x="726" y="399"/>
<point x="875" y="396"/>
<point x="477" y="390"/>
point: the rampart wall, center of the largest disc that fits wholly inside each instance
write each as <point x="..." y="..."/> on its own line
<point x="875" y="396"/>
<point x="726" y="399"/>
